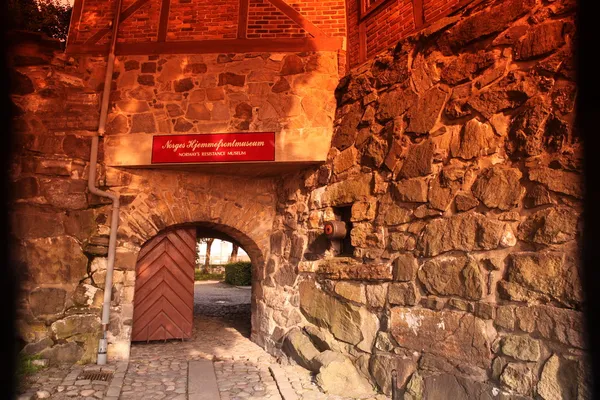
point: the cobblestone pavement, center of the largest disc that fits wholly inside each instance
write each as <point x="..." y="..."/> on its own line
<point x="159" y="370"/>
<point x="43" y="382"/>
<point x="61" y="382"/>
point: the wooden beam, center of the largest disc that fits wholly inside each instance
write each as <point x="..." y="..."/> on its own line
<point x="298" y="18"/>
<point x="243" y="19"/>
<point x="215" y="46"/>
<point x="418" y="13"/>
<point x="124" y="15"/>
<point x="75" y="21"/>
<point x="362" y="42"/>
<point x="164" y="20"/>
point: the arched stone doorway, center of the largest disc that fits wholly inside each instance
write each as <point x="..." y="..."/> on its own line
<point x="164" y="289"/>
<point x="225" y="206"/>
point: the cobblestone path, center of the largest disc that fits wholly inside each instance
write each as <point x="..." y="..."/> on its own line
<point x="159" y="370"/>
<point x="61" y="382"/>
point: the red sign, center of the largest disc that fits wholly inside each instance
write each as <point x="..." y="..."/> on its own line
<point x="220" y="147"/>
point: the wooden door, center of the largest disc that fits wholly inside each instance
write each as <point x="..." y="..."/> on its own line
<point x="164" y="287"/>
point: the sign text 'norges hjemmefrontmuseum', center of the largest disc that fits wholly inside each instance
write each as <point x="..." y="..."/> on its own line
<point x="220" y="147"/>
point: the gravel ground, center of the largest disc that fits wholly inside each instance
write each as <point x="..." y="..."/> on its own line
<point x="217" y="299"/>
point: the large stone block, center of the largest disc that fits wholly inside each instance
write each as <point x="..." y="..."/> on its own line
<point x="540" y="40"/>
<point x="405" y="267"/>
<point x="63" y="353"/>
<point x="553" y="225"/>
<point x="467" y="232"/>
<point x="560" y="181"/>
<point x="404" y="294"/>
<point x="338" y="376"/>
<point x="558" y="380"/>
<point x="508" y="93"/>
<point x="47" y="302"/>
<point x="349" y="323"/>
<point x="452" y="276"/>
<point x="381" y="366"/>
<point x="299" y="347"/>
<point x="474" y="139"/>
<point x="65" y="193"/>
<point x="424" y="115"/>
<point x="465" y="66"/>
<point x="453" y="334"/>
<point x="521" y="347"/>
<point x="75" y="325"/>
<point x="446" y="386"/>
<point x="551" y="273"/>
<point x="55" y="260"/>
<point x="482" y="24"/>
<point x="419" y="160"/>
<point x="31" y="222"/>
<point x="412" y="190"/>
<point x="391" y="214"/>
<point x="518" y="377"/>
<point x="352" y="291"/>
<point x="527" y="128"/>
<point x="352" y="87"/>
<point x="394" y="103"/>
<point x="560" y="325"/>
<point x="348" y="191"/>
<point x="345" y="132"/>
<point x="499" y="187"/>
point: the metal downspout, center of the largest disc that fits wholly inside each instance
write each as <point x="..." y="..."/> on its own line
<point x="112" y="244"/>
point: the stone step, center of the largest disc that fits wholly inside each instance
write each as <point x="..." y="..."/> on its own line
<point x="202" y="381"/>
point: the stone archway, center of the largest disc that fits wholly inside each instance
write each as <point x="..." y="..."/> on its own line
<point x="227" y="207"/>
<point x="182" y="278"/>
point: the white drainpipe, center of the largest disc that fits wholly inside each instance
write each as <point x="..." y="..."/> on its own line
<point x="112" y="244"/>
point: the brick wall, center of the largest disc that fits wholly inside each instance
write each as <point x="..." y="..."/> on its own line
<point x="95" y="13"/>
<point x="215" y="19"/>
<point x="266" y="21"/>
<point x="387" y="25"/>
<point x="141" y="26"/>
<point x="382" y="27"/>
<point x="434" y="9"/>
<point x="329" y="16"/>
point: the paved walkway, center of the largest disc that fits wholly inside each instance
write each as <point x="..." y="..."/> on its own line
<point x="217" y="299"/>
<point x="159" y="370"/>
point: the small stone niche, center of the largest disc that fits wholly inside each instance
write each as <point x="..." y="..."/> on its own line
<point x="343" y="247"/>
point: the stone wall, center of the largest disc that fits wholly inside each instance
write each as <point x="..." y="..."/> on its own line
<point x="60" y="231"/>
<point x="456" y="159"/>
<point x="290" y="94"/>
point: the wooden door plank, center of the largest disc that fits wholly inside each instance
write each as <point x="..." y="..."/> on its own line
<point x="151" y="254"/>
<point x="165" y="262"/>
<point x="189" y="237"/>
<point x="183" y="247"/>
<point x="156" y="300"/>
<point x="151" y="286"/>
<point x="164" y="287"/>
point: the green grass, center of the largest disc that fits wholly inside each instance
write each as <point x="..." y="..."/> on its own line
<point x="25" y="366"/>
<point x="199" y="276"/>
